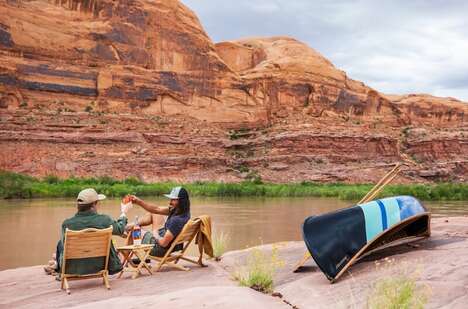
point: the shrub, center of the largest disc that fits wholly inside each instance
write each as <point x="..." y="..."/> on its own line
<point x="14" y="185"/>
<point x="259" y="272"/>
<point x="219" y="242"/>
<point x="51" y="179"/>
<point x="396" y="293"/>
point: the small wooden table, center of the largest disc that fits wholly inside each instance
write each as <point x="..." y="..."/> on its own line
<point x="141" y="252"/>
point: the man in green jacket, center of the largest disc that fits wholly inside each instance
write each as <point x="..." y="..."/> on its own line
<point x="87" y="217"/>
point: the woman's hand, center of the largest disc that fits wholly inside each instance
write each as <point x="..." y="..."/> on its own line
<point x="134" y="199"/>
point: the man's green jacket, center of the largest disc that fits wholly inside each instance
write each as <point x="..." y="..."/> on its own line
<point x="91" y="219"/>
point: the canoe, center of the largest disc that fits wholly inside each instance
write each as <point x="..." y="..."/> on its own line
<point x="337" y="240"/>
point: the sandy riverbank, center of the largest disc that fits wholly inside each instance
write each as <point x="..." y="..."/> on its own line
<point x="440" y="261"/>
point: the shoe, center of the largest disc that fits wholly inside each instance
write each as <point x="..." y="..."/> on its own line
<point x="51" y="268"/>
<point x="136" y="261"/>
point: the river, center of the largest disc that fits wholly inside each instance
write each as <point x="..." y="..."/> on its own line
<point x="29" y="229"/>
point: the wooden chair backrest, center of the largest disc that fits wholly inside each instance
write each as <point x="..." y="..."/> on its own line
<point x="87" y="243"/>
<point x="188" y="232"/>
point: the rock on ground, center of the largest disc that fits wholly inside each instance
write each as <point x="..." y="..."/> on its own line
<point x="200" y="297"/>
<point x="438" y="264"/>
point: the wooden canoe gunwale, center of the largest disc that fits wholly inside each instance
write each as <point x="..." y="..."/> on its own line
<point x="362" y="252"/>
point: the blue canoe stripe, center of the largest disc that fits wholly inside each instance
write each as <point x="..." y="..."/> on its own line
<point x="372" y="219"/>
<point x="384" y="214"/>
<point x="399" y="204"/>
<point x="393" y="211"/>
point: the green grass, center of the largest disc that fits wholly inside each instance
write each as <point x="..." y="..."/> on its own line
<point x="219" y="242"/>
<point x="396" y="293"/>
<point x="259" y="271"/>
<point x="14" y="185"/>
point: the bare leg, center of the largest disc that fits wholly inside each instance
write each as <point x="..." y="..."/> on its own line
<point x="158" y="222"/>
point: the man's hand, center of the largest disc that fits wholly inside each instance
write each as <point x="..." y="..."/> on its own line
<point x="129" y="227"/>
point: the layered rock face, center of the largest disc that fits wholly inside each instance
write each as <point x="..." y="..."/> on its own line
<point x="137" y="88"/>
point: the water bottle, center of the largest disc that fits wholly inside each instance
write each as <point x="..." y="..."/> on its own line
<point x="136" y="234"/>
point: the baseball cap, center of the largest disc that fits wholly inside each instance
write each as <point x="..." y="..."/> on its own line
<point x="88" y="196"/>
<point x="175" y="193"/>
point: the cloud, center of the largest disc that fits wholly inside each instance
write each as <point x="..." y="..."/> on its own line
<point x="265" y="7"/>
<point x="395" y="46"/>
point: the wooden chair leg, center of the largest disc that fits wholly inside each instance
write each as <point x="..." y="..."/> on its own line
<point x="160" y="262"/>
<point x="191" y="261"/>
<point x="163" y="261"/>
<point x="120" y="274"/>
<point x="67" y="287"/>
<point x="159" y="266"/>
<point x="171" y="264"/>
<point x="106" y="280"/>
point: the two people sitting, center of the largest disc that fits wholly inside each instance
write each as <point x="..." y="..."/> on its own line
<point x="162" y="234"/>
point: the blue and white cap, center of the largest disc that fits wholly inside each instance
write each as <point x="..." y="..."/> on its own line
<point x="174" y="195"/>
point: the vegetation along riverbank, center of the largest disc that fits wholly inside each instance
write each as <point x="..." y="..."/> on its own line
<point x="13" y="185"/>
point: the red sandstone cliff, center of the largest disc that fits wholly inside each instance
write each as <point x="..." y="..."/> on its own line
<point x="137" y="88"/>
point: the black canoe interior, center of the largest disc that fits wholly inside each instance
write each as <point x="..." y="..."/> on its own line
<point x="408" y="230"/>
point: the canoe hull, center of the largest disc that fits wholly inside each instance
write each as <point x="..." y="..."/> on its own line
<point x="337" y="240"/>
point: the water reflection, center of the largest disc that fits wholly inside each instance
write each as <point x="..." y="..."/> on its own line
<point x="35" y="224"/>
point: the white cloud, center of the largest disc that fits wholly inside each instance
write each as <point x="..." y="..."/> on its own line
<point x="265" y="6"/>
<point x="395" y="46"/>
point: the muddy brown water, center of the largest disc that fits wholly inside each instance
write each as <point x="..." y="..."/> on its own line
<point x="29" y="229"/>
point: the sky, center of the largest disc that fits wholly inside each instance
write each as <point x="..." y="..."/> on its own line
<point x="396" y="47"/>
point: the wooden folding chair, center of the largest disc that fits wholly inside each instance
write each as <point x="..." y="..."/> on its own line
<point x="186" y="236"/>
<point x="87" y="243"/>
